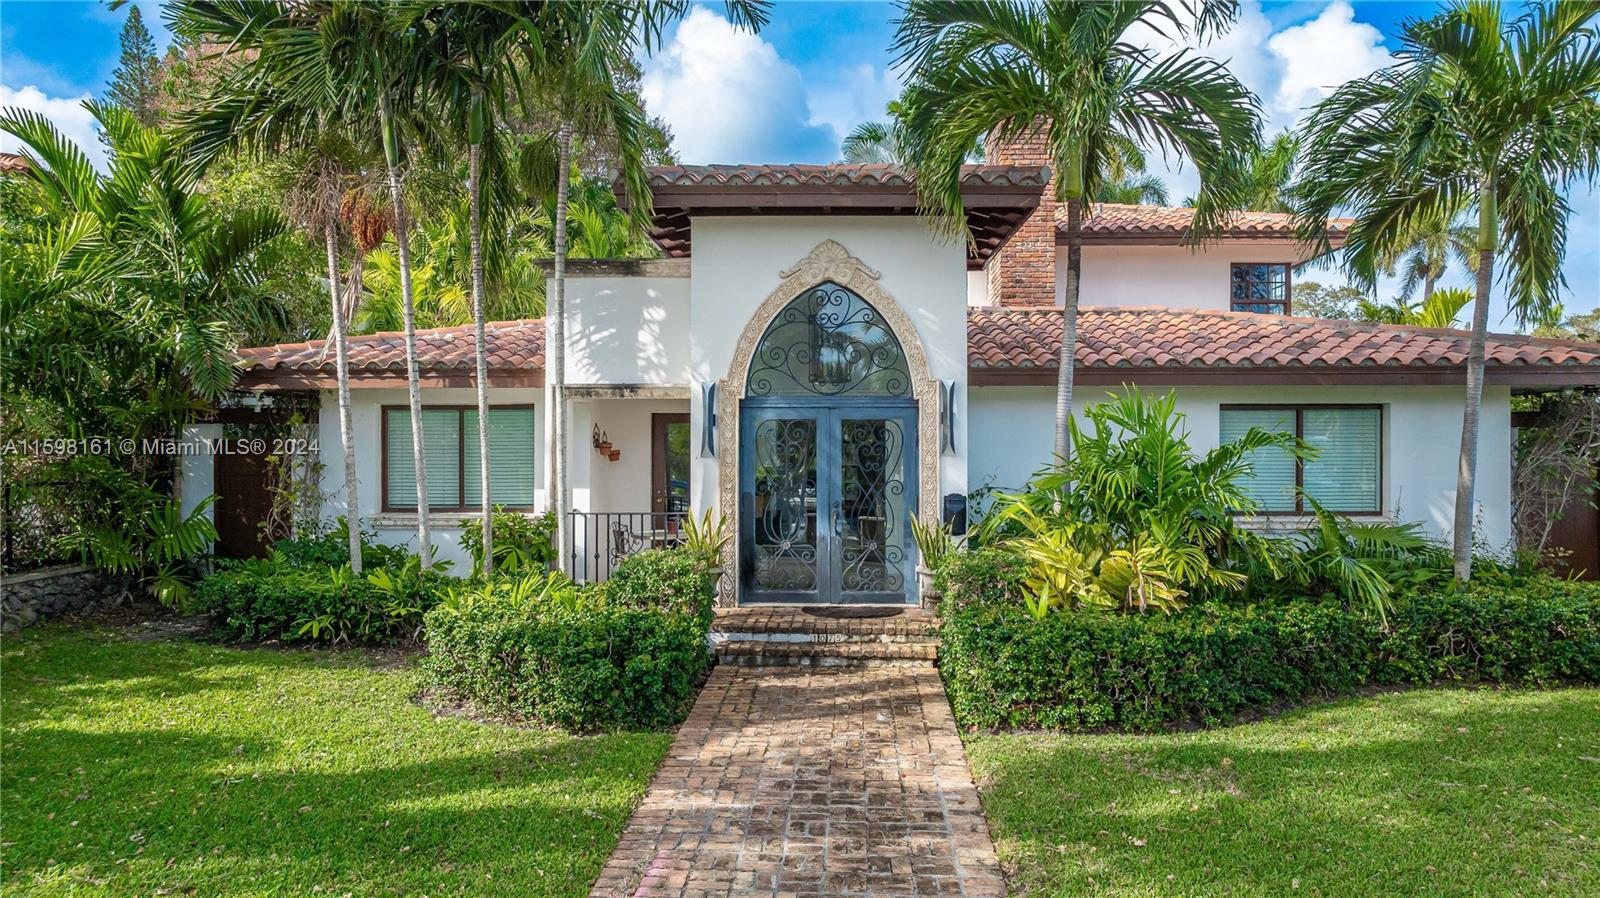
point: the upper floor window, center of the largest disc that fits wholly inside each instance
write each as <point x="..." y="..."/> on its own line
<point x="1260" y="287"/>
<point x="1347" y="473"/>
<point x="450" y="443"/>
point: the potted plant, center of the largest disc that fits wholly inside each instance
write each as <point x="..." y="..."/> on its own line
<point x="705" y="537"/>
<point x="935" y="542"/>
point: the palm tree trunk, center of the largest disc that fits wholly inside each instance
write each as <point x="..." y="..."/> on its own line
<point x="352" y="512"/>
<point x="408" y="309"/>
<point x="1467" y="470"/>
<point x="556" y="327"/>
<point x="1427" y="287"/>
<point x="474" y="210"/>
<point x="1069" y="327"/>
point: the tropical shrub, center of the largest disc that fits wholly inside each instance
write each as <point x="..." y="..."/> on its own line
<point x="268" y="599"/>
<point x="157" y="544"/>
<point x="331" y="548"/>
<point x="537" y="647"/>
<point x="1134" y="519"/>
<point x="1215" y="661"/>
<point x="521" y="542"/>
<point x="1363" y="563"/>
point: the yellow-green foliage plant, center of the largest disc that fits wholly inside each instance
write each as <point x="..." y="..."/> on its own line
<point x="1135" y="519"/>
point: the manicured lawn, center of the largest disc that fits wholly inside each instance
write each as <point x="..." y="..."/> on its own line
<point x="175" y="767"/>
<point x="1434" y="792"/>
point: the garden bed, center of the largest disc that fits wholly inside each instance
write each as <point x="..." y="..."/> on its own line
<point x="1089" y="670"/>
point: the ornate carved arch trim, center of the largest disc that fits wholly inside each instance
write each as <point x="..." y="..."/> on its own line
<point x="828" y="261"/>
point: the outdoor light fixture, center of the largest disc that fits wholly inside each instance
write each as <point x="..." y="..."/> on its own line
<point x="708" y="420"/>
<point x="947" y="417"/>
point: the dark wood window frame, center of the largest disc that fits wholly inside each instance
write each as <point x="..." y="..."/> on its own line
<point x="461" y="456"/>
<point x="659" y="488"/>
<point x="1288" y="287"/>
<point x="1299" y="409"/>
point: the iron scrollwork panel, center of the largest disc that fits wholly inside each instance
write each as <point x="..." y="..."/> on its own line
<point x="872" y="541"/>
<point x="829" y="342"/>
<point x="785" y="521"/>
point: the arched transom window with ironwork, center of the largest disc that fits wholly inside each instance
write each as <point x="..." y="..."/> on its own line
<point x="829" y="342"/>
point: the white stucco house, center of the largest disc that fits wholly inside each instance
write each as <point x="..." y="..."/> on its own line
<point x="811" y="361"/>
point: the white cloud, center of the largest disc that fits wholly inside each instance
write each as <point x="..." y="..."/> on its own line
<point x="860" y="95"/>
<point x="1290" y="70"/>
<point x="729" y="97"/>
<point x="1320" y="55"/>
<point x="66" y="113"/>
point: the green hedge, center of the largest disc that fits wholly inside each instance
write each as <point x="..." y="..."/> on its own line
<point x="626" y="655"/>
<point x="261" y="601"/>
<point x="1210" y="663"/>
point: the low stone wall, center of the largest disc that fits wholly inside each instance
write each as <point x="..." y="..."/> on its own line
<point x="25" y="598"/>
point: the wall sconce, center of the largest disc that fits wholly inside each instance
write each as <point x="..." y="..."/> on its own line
<point x="947" y="417"/>
<point x="708" y="420"/>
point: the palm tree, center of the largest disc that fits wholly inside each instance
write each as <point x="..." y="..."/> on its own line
<point x="1477" y="112"/>
<point x="1438" y="310"/>
<point x="361" y="65"/>
<point x="1071" y="70"/>
<point x="871" y="142"/>
<point x="1424" y="255"/>
<point x="582" y="54"/>
<point x="315" y="199"/>
<point x="476" y="43"/>
<point x="879" y="142"/>
<point x="1134" y="190"/>
<point x="301" y="74"/>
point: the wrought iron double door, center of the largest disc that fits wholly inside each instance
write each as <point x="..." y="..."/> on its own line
<point x="827" y="493"/>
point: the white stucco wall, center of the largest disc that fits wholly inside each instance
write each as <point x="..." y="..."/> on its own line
<point x="737" y="262"/>
<point x="400" y="528"/>
<point x="1012" y="432"/>
<point x="624" y="484"/>
<point x="1172" y="276"/>
<point x="627" y="330"/>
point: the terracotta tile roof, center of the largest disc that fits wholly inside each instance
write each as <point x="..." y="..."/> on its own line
<point x="1170" y="338"/>
<point x="1108" y="219"/>
<point x="1017" y="340"/>
<point x="835" y="175"/>
<point x="11" y="163"/>
<point x="513" y="345"/>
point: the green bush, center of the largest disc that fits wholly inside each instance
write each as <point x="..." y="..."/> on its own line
<point x="539" y="648"/>
<point x="665" y="580"/>
<point x="272" y="600"/>
<point x="1542" y="631"/>
<point x="521" y="543"/>
<point x="332" y="549"/>
<point x="1004" y="669"/>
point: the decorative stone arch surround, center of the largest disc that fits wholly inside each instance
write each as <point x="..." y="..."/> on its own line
<point x="828" y="261"/>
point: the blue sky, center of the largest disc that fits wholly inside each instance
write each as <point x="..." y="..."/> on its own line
<point x="792" y="92"/>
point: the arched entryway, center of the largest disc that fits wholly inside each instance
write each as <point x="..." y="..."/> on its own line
<point x="827" y="446"/>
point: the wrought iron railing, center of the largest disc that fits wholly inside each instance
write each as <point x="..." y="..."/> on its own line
<point x="599" y="540"/>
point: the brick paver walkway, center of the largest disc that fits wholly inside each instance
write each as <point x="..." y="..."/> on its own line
<point x="803" y="782"/>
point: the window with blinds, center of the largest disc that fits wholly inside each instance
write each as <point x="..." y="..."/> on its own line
<point x="450" y="441"/>
<point x="1345" y="476"/>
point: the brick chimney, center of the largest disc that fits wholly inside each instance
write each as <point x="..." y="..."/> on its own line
<point x="1023" y="273"/>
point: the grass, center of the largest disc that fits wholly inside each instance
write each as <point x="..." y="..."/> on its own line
<point x="1432" y="792"/>
<point x="179" y="767"/>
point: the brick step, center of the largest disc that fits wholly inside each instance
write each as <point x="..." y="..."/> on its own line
<point x="760" y="653"/>
<point x="789" y="624"/>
